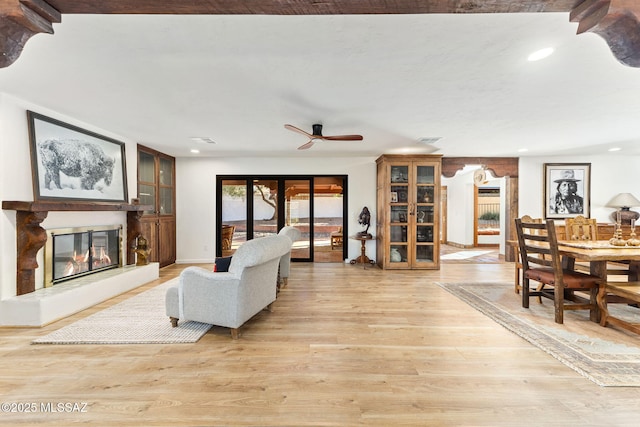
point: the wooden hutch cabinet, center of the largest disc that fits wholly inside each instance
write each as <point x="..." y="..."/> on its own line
<point x="408" y="211"/>
<point x="157" y="187"/>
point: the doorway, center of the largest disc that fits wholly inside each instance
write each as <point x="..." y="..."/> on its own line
<point x="257" y="206"/>
<point x="487" y="210"/>
<point x="459" y="195"/>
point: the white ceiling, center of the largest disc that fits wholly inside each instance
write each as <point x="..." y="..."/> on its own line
<point x="159" y="80"/>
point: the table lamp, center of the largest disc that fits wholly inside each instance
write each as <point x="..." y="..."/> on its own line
<point x="623" y="202"/>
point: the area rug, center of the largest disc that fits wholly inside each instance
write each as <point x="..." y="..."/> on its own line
<point x="140" y="319"/>
<point x="607" y="356"/>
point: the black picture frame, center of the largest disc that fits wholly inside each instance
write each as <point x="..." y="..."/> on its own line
<point x="567" y="190"/>
<point x="69" y="163"/>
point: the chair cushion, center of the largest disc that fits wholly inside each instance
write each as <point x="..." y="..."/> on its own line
<point x="222" y="264"/>
<point x="572" y="279"/>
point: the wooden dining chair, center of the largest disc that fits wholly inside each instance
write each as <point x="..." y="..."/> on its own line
<point x="518" y="264"/>
<point x="581" y="228"/>
<point x="541" y="263"/>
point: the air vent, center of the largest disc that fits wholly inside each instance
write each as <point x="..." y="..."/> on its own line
<point x="203" y="139"/>
<point x="430" y="140"/>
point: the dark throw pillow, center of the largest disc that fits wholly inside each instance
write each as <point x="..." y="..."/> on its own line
<point x="222" y="264"/>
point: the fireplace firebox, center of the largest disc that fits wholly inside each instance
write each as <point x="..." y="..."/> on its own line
<point x="73" y="252"/>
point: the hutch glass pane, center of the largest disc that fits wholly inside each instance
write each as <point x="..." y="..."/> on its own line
<point x="166" y="172"/>
<point x="398" y="253"/>
<point x="398" y="213"/>
<point x="424" y="253"/>
<point x="147" y="195"/>
<point x="424" y="194"/>
<point x="399" y="173"/>
<point x="425" y="214"/>
<point x="398" y="233"/>
<point x="425" y="175"/>
<point x="146" y="167"/>
<point x="166" y="201"/>
<point x="424" y="233"/>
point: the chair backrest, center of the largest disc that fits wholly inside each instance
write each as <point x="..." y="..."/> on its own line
<point x="227" y="236"/>
<point x="285" y="261"/>
<point x="581" y="228"/>
<point x="291" y="232"/>
<point x="539" y="246"/>
<point x="258" y="251"/>
<point x="526" y="219"/>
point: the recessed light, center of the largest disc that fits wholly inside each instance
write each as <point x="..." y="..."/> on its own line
<point x="540" y="54"/>
<point x="615" y="149"/>
<point x="194" y="151"/>
<point x="523" y="150"/>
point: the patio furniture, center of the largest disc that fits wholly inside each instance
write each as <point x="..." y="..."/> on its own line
<point x="336" y="239"/>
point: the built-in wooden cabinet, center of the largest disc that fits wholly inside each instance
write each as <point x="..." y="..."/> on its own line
<point x="408" y="211"/>
<point x="157" y="188"/>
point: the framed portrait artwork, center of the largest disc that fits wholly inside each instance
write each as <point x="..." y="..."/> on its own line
<point x="72" y="164"/>
<point x="394" y="197"/>
<point x="567" y="190"/>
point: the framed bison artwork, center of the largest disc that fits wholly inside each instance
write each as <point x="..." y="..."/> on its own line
<point x="70" y="163"/>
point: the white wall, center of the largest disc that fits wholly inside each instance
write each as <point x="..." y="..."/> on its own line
<point x="16" y="184"/>
<point x="460" y="193"/>
<point x="611" y="173"/>
<point x="196" y="205"/>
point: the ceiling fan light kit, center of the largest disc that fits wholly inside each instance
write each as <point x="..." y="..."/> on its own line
<point x="316" y="136"/>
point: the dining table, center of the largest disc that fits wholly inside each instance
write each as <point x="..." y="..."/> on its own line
<point x="598" y="253"/>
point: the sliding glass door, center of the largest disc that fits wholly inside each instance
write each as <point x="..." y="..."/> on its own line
<point x="297" y="213"/>
<point x="265" y="207"/>
<point x="256" y="206"/>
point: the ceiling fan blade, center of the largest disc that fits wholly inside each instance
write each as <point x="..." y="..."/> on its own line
<point x="295" y="129"/>
<point x="306" y="146"/>
<point x="343" y="138"/>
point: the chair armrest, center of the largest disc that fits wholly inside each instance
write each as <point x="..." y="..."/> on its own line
<point x="208" y="297"/>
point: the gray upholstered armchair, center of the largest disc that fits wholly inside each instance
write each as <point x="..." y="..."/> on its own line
<point x="230" y="299"/>
<point x="285" y="262"/>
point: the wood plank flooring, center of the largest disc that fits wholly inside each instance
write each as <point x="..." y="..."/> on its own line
<point x="344" y="346"/>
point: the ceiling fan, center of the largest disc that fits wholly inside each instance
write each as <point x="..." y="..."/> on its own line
<point x="317" y="136"/>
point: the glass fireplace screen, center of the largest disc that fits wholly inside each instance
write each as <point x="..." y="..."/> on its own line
<point x="77" y="252"/>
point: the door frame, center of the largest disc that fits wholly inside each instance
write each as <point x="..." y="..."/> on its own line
<point x="499" y="167"/>
<point x="280" y="206"/>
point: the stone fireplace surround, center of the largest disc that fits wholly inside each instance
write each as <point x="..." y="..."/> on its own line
<point x="31" y="307"/>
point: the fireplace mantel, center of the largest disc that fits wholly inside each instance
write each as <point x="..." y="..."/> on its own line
<point x="31" y="237"/>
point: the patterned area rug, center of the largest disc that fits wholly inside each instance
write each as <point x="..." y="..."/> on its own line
<point x="140" y="319"/>
<point x="607" y="356"/>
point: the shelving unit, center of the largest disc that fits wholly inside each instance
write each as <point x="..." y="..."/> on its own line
<point x="408" y="211"/>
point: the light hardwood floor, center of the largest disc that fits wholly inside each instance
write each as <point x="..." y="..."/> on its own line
<point x="344" y="346"/>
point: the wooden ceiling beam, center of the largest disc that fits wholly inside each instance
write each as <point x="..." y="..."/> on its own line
<point x="617" y="21"/>
<point x="19" y="21"/>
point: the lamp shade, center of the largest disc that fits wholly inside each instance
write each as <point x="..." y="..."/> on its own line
<point x="623" y="200"/>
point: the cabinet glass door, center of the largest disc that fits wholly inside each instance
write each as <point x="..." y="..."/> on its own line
<point x="166" y="187"/>
<point x="424" y="202"/>
<point x="147" y="180"/>
<point x="399" y="214"/>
